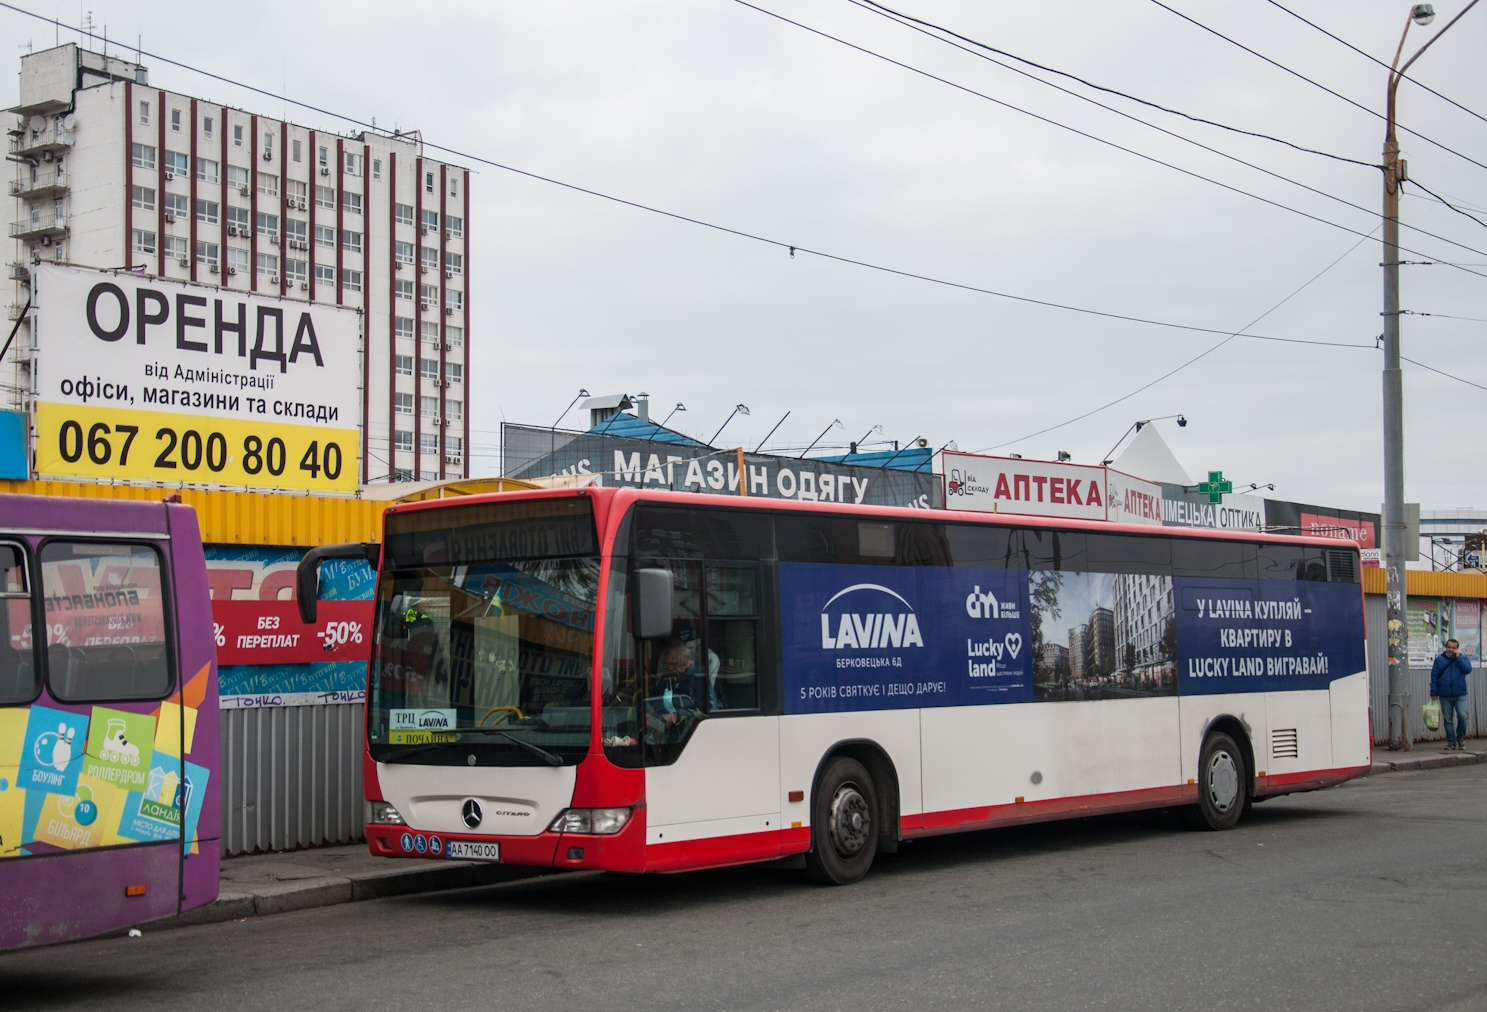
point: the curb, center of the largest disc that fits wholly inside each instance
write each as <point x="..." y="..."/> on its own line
<point x="304" y="894"/>
<point x="1427" y="762"/>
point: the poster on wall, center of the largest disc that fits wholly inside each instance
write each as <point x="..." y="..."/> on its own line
<point x="1424" y="625"/>
<point x="1467" y="626"/>
<point x="146" y="378"/>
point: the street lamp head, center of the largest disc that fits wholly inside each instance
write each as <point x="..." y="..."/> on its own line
<point x="743" y="409"/>
<point x="1182" y="422"/>
<point x="1423" y="14"/>
<point x="836" y="423"/>
<point x="582" y="392"/>
<point x="679" y="407"/>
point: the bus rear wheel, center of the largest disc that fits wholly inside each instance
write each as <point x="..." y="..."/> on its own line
<point x="1223" y="792"/>
<point x="844" y="824"/>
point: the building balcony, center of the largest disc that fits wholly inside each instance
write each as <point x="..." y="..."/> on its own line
<point x="16" y="310"/>
<point x="43" y="184"/>
<point x="44" y="144"/>
<point x="20" y="272"/>
<point x="33" y="228"/>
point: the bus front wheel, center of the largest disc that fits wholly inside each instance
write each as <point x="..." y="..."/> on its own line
<point x="1222" y="785"/>
<point x="844" y="824"/>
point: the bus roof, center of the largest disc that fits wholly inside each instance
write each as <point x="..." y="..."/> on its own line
<point x="28" y="514"/>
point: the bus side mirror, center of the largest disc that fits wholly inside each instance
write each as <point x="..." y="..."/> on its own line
<point x="307" y="575"/>
<point x="650" y="603"/>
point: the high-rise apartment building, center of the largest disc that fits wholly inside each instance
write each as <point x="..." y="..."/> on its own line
<point x="112" y="173"/>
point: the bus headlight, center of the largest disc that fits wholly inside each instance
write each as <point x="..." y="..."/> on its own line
<point x="380" y="813"/>
<point x="598" y="821"/>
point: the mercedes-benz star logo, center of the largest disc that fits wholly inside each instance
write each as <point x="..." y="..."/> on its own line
<point x="471" y="813"/>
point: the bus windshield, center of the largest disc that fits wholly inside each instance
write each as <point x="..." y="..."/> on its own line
<point x="485" y="634"/>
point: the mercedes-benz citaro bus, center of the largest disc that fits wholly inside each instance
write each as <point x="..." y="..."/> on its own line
<point x="109" y="811"/>
<point x="656" y="681"/>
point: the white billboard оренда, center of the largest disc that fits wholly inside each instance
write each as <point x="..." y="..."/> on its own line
<point x="146" y="378"/>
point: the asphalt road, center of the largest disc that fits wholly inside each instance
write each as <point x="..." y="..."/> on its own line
<point x="1369" y="896"/>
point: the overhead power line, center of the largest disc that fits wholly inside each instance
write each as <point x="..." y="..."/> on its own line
<point x="1381" y="63"/>
<point x="1316" y="84"/>
<point x="930" y="28"/>
<point x="1443" y="200"/>
<point x="1120" y="147"/>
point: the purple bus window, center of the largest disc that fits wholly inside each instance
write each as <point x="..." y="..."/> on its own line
<point x="18" y="682"/>
<point x="105" y="621"/>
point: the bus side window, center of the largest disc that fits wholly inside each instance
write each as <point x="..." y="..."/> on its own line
<point x="18" y="678"/>
<point x="1229" y="560"/>
<point x="1282" y="562"/>
<point x="982" y="545"/>
<point x="106" y="621"/>
<point x="733" y="637"/>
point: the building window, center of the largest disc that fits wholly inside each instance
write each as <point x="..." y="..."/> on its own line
<point x="295" y="189"/>
<point x="324" y="154"/>
<point x="454" y="409"/>
<point x="429" y="258"/>
<point x="430" y="331"/>
<point x="402" y="365"/>
<point x="296" y="271"/>
<point x="428" y="475"/>
<point x="143" y="156"/>
<point x="456" y="300"/>
<point x="175" y="248"/>
<point x="454" y="263"/>
<point x="353" y="164"/>
<point x="428" y="407"/>
<point x="404" y="214"/>
<point x="454" y="186"/>
<point x="325" y="196"/>
<point x="454" y="335"/>
<point x="430" y="221"/>
<point x="268" y="143"/>
<point x="428" y="182"/>
<point x="206" y="126"/>
<point x="237" y="178"/>
<point x="454" y="444"/>
<point x="402" y="252"/>
<point x="144" y="113"/>
<point x="403" y="290"/>
<point x="428" y="368"/>
<point x="403" y="403"/>
<point x="268" y="224"/>
<point x="206" y="210"/>
<point x="325" y="236"/>
<point x="237" y="260"/>
<point x="454" y="372"/>
<point x="237" y="220"/>
<point x="456" y="226"/>
<point x="206" y="170"/>
<point x="352" y="202"/>
<point x="294" y="150"/>
<point x="206" y="253"/>
<point x="350" y="241"/>
<point x="176" y="164"/>
<point x="142" y="197"/>
<point x="268" y="184"/>
<point x="429" y="296"/>
<point x="177" y="205"/>
<point x="297" y="232"/>
<point x="175" y="120"/>
<point x="351" y="280"/>
<point x="325" y="275"/>
<point x="402" y="326"/>
<point x="237" y="136"/>
<point x="144" y="242"/>
<point x="376" y="168"/>
<point x="402" y="440"/>
<point x="428" y="442"/>
<point x="268" y="265"/>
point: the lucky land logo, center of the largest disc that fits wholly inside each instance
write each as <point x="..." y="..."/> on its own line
<point x="869" y="630"/>
<point x="983" y="655"/>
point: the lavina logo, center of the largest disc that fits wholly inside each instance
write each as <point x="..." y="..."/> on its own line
<point x="873" y="630"/>
<point x="979" y="605"/>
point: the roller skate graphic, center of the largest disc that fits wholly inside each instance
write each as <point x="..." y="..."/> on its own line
<point x="115" y="749"/>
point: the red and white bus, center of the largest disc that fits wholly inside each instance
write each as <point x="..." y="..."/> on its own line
<point x="656" y="681"/>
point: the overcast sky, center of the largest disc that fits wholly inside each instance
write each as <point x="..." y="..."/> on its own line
<point x="715" y="111"/>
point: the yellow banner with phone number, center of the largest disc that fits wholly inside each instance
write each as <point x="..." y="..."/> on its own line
<point x="106" y="442"/>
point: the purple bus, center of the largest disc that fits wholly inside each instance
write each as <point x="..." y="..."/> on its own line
<point x="109" y="811"/>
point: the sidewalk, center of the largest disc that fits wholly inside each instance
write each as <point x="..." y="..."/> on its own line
<point x="261" y="884"/>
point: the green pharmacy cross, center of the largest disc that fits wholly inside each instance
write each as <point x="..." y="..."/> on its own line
<point x="1215" y="486"/>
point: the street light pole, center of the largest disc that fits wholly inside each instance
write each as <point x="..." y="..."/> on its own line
<point x="1394" y="520"/>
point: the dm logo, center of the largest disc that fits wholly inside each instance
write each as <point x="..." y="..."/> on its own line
<point x="979" y="605"/>
<point x="869" y="630"/>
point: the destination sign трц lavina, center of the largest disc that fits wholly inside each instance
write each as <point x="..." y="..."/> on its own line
<point x="146" y="378"/>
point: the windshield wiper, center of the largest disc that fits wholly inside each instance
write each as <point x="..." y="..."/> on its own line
<point x="540" y="753"/>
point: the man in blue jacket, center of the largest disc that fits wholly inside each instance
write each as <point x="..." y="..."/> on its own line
<point x="1448" y="684"/>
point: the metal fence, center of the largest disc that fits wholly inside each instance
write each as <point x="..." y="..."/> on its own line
<point x="291" y="777"/>
<point x="1418" y="684"/>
